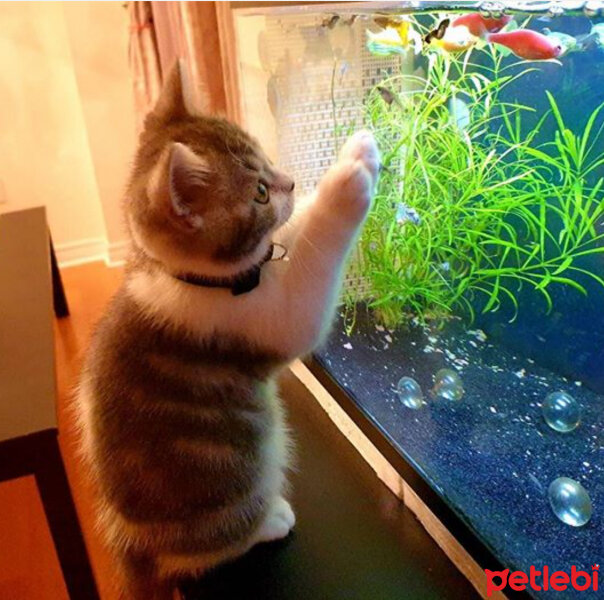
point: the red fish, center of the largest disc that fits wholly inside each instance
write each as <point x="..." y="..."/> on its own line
<point x="479" y="25"/>
<point x="527" y="44"/>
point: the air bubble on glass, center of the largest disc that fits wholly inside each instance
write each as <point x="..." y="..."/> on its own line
<point x="570" y="501"/>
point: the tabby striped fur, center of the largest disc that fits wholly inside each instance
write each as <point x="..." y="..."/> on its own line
<point x="182" y="427"/>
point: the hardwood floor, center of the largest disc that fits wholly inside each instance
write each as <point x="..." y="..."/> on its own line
<point x="88" y="288"/>
<point x="29" y="567"/>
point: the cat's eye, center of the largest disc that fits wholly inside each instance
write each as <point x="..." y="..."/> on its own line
<point x="262" y="196"/>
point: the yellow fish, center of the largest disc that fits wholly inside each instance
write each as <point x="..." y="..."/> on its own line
<point x="455" y="39"/>
<point x="393" y="39"/>
<point x="401" y="26"/>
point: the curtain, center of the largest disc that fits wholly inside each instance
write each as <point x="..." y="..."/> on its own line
<point x="143" y="55"/>
<point x="203" y="35"/>
<point x="191" y="31"/>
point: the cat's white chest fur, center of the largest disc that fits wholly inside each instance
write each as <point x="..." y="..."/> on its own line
<point x="292" y="308"/>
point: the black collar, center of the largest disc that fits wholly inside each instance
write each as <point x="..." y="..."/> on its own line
<point x="238" y="284"/>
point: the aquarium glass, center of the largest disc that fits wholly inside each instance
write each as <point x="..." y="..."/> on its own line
<point x="472" y="325"/>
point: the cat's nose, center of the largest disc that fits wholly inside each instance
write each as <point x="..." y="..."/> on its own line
<point x="284" y="182"/>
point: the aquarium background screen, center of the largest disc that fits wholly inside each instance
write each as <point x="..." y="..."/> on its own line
<point x="472" y="326"/>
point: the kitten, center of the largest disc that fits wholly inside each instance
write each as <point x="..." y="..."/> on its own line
<point x="181" y="422"/>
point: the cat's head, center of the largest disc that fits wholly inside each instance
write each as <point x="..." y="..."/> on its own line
<point x="203" y="197"/>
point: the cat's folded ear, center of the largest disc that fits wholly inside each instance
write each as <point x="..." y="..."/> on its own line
<point x="189" y="179"/>
<point x="175" y="99"/>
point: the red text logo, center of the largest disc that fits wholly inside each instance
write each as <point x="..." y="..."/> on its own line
<point x="545" y="580"/>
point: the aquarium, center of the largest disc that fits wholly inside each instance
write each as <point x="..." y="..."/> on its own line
<point x="471" y="333"/>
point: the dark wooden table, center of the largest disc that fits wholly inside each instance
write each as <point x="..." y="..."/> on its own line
<point x="28" y="423"/>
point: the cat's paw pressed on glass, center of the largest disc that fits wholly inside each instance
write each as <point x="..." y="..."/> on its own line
<point x="350" y="183"/>
<point x="361" y="146"/>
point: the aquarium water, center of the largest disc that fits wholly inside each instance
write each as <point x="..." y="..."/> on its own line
<point x="479" y="275"/>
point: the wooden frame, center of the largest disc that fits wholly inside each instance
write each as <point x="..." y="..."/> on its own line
<point x="229" y="55"/>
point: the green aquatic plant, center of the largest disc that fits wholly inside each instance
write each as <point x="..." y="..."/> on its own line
<point x="499" y="208"/>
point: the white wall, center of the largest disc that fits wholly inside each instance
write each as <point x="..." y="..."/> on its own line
<point x="98" y="35"/>
<point x="66" y="119"/>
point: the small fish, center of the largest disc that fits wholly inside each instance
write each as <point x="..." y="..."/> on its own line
<point x="567" y="42"/>
<point x="406" y="214"/>
<point x="387" y="21"/>
<point x="598" y="32"/>
<point x="479" y="26"/>
<point x="344" y="69"/>
<point x="439" y="32"/>
<point x="387" y="96"/>
<point x="536" y="482"/>
<point x="460" y="113"/>
<point x="330" y="22"/>
<point x="579" y="43"/>
<point x="527" y="44"/>
<point x="399" y="23"/>
<point x="273" y="96"/>
<point x="394" y="40"/>
<point x="386" y="42"/>
<point x="587" y="40"/>
<point x="455" y="39"/>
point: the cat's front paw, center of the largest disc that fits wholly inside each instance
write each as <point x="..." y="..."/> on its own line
<point x="362" y="147"/>
<point x="348" y="187"/>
